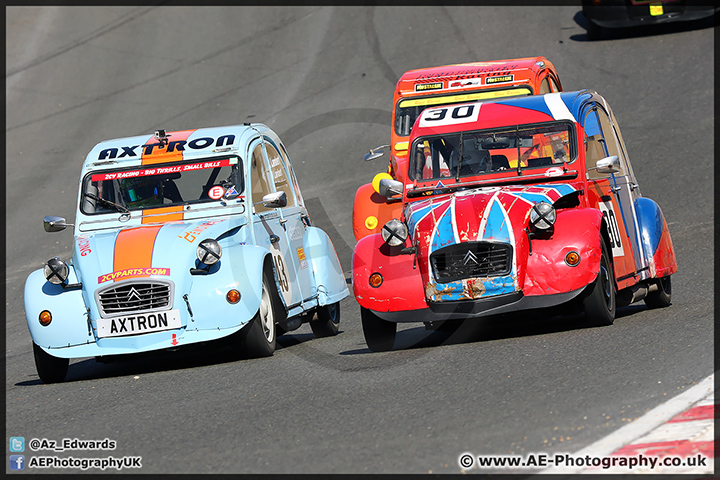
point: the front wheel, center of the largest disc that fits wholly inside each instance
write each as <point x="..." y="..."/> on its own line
<point x="379" y="334"/>
<point x="260" y="333"/>
<point x="600" y="303"/>
<point x="50" y="369"/>
<point x="328" y="321"/>
<point x="661" y="297"/>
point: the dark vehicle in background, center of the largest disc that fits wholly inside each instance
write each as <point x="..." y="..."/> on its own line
<point x="601" y="14"/>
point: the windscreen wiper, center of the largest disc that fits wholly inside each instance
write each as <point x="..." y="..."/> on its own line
<point x="457" y="175"/>
<point x="104" y="201"/>
<point x="517" y="142"/>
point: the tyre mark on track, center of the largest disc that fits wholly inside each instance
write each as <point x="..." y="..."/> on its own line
<point x="374" y="41"/>
<point x="335" y="117"/>
<point x="204" y="58"/>
<point x="91" y="36"/>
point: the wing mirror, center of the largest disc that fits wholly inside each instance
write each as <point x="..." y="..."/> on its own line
<point x="608" y="165"/>
<point x="275" y="200"/>
<point x="374" y="153"/>
<point x="388" y="187"/>
<point x="52" y="223"/>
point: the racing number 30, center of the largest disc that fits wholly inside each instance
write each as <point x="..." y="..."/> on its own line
<point x="459" y="114"/>
<point x="613" y="229"/>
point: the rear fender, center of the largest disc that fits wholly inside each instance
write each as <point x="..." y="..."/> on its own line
<point x="69" y="324"/>
<point x="402" y="286"/>
<point x="329" y="278"/>
<point x="578" y="230"/>
<point x="655" y="236"/>
<point x="371" y="211"/>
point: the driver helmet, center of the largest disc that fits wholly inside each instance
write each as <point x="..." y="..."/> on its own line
<point x="142" y="192"/>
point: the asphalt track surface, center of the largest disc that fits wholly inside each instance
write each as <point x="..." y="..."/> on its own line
<point x="323" y="79"/>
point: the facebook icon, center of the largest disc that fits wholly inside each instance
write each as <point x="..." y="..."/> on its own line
<point x="17" y="462"/>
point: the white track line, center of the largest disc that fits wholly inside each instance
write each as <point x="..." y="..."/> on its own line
<point x="654" y="418"/>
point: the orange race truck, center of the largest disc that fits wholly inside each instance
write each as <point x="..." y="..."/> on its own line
<point x="431" y="87"/>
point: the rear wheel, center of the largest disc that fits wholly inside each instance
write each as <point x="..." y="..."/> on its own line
<point x="379" y="334"/>
<point x="260" y="334"/>
<point x="661" y="297"/>
<point x="328" y="321"/>
<point x="600" y="302"/>
<point x="50" y="369"/>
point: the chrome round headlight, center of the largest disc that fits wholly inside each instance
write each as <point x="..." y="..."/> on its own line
<point x="56" y="271"/>
<point x="542" y="215"/>
<point x="394" y="233"/>
<point x="209" y="251"/>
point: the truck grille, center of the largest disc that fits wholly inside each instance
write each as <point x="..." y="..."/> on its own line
<point x="128" y="297"/>
<point x="471" y="259"/>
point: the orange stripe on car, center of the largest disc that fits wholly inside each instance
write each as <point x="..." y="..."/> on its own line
<point x="134" y="248"/>
<point x="172" y="152"/>
<point x="162" y="215"/>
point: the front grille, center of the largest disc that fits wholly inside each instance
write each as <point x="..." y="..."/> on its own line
<point x="129" y="297"/>
<point x="471" y="259"/>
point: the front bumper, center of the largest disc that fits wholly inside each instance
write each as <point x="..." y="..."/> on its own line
<point x="140" y="343"/>
<point x="479" y="308"/>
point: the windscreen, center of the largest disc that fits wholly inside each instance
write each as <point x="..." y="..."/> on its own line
<point x="464" y="154"/>
<point x="153" y="186"/>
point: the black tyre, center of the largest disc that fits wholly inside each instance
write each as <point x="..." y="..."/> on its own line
<point x="661" y="297"/>
<point x="594" y="31"/>
<point x="379" y="334"/>
<point x="50" y="369"/>
<point x="327" y="323"/>
<point x="260" y="335"/>
<point x="599" y="304"/>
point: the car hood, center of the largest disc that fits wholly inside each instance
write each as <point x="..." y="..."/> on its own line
<point x="494" y="215"/>
<point x="164" y="251"/>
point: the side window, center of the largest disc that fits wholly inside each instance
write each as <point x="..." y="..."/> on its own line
<point x="544" y="86"/>
<point x="291" y="172"/>
<point x="611" y="141"/>
<point x="553" y="85"/>
<point x="594" y="144"/>
<point x="259" y="178"/>
<point x="624" y="158"/>
<point x="279" y="174"/>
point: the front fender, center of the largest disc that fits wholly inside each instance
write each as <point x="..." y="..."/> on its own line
<point x="329" y="277"/>
<point x="402" y="287"/>
<point x="371" y="211"/>
<point x="576" y="230"/>
<point x="241" y="268"/>
<point x="69" y="326"/>
<point x="656" y="242"/>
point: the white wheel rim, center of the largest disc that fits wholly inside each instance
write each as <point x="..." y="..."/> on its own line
<point x="267" y="319"/>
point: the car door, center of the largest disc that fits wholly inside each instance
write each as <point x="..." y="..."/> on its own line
<point x="293" y="218"/>
<point x="626" y="188"/>
<point x="268" y="227"/>
<point x="604" y="194"/>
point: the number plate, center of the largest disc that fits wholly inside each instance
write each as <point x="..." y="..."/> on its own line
<point x="138" y="323"/>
